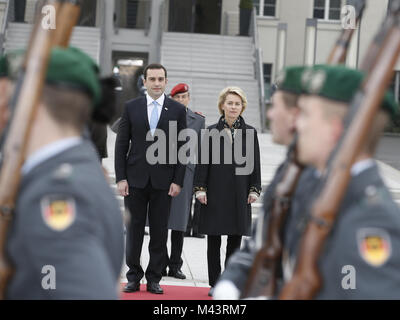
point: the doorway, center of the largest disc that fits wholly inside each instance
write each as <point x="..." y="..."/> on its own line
<point x="198" y="16"/>
<point x="128" y="67"/>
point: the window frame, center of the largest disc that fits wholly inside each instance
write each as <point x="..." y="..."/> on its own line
<point x="261" y="6"/>
<point x="327" y="11"/>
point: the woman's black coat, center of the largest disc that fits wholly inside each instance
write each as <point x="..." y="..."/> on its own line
<point x="227" y="211"/>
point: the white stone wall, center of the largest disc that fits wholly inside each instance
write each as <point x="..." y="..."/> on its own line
<point x="295" y="14"/>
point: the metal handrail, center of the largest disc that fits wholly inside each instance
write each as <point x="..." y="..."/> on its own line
<point x="258" y="67"/>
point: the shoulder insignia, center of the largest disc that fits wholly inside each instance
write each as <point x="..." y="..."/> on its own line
<point x="306" y="76"/>
<point x="280" y="78"/>
<point x="58" y="212"/>
<point x="316" y="81"/>
<point x="200" y="114"/>
<point x="373" y="195"/>
<point x="63" y="172"/>
<point x="374" y="246"/>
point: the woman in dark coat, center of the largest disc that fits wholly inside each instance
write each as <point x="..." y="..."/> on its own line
<point x="227" y="185"/>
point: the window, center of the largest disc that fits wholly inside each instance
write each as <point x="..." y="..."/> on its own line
<point x="265" y="8"/>
<point x="267" y="72"/>
<point x="395" y="86"/>
<point x="394" y="125"/>
<point x="132" y="14"/>
<point x="327" y="9"/>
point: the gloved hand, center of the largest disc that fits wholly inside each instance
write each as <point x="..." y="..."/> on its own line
<point x="226" y="290"/>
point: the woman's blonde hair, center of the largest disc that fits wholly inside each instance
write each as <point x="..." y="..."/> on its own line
<point x="231" y="90"/>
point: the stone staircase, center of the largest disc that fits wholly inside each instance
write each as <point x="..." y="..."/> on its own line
<point x="209" y="63"/>
<point x="88" y="39"/>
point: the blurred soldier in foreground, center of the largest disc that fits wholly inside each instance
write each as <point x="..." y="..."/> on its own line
<point x="359" y="259"/>
<point x="66" y="239"/>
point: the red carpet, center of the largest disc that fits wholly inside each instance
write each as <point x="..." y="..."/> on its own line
<point x="170" y="293"/>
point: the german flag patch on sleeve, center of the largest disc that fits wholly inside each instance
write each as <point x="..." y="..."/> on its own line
<point x="374" y="246"/>
<point x="58" y="212"/>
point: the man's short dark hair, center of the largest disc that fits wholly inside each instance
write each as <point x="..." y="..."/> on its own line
<point x="154" y="66"/>
<point x="67" y="107"/>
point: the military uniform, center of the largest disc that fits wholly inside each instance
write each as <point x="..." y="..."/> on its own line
<point x="181" y="204"/>
<point x="66" y="237"/>
<point x="366" y="231"/>
<point x="358" y="260"/>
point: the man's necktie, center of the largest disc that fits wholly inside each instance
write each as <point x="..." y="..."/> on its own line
<point x="154" y="117"/>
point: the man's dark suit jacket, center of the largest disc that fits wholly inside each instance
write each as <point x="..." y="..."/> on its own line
<point x="133" y="128"/>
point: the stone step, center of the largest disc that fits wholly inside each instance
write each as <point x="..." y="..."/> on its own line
<point x="87" y="39"/>
<point x="198" y="38"/>
<point x="209" y="63"/>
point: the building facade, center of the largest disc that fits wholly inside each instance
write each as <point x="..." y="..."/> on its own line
<point x="129" y="33"/>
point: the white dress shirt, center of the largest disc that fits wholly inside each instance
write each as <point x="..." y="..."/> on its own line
<point x="150" y="105"/>
<point x="48" y="152"/>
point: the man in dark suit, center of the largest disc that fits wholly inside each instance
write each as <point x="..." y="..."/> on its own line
<point x="148" y="187"/>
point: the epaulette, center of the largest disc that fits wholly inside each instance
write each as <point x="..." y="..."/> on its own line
<point x="200" y="114"/>
<point x="63" y="172"/>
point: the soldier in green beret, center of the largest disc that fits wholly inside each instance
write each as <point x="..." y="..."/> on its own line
<point x="66" y="236"/>
<point x="359" y="259"/>
<point x="282" y="115"/>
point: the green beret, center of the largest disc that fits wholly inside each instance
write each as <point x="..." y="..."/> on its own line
<point x="290" y="79"/>
<point x="339" y="83"/>
<point x="68" y="67"/>
<point x="72" y="67"/>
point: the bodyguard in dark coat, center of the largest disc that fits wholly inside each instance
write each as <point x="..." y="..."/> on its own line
<point x="180" y="205"/>
<point x="66" y="238"/>
<point x="149" y="186"/>
<point x="226" y="195"/>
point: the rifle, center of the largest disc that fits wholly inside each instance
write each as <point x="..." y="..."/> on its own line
<point x="263" y="274"/>
<point x="26" y="97"/>
<point x="339" y="52"/>
<point x="306" y="280"/>
<point x="376" y="44"/>
<point x="67" y="17"/>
